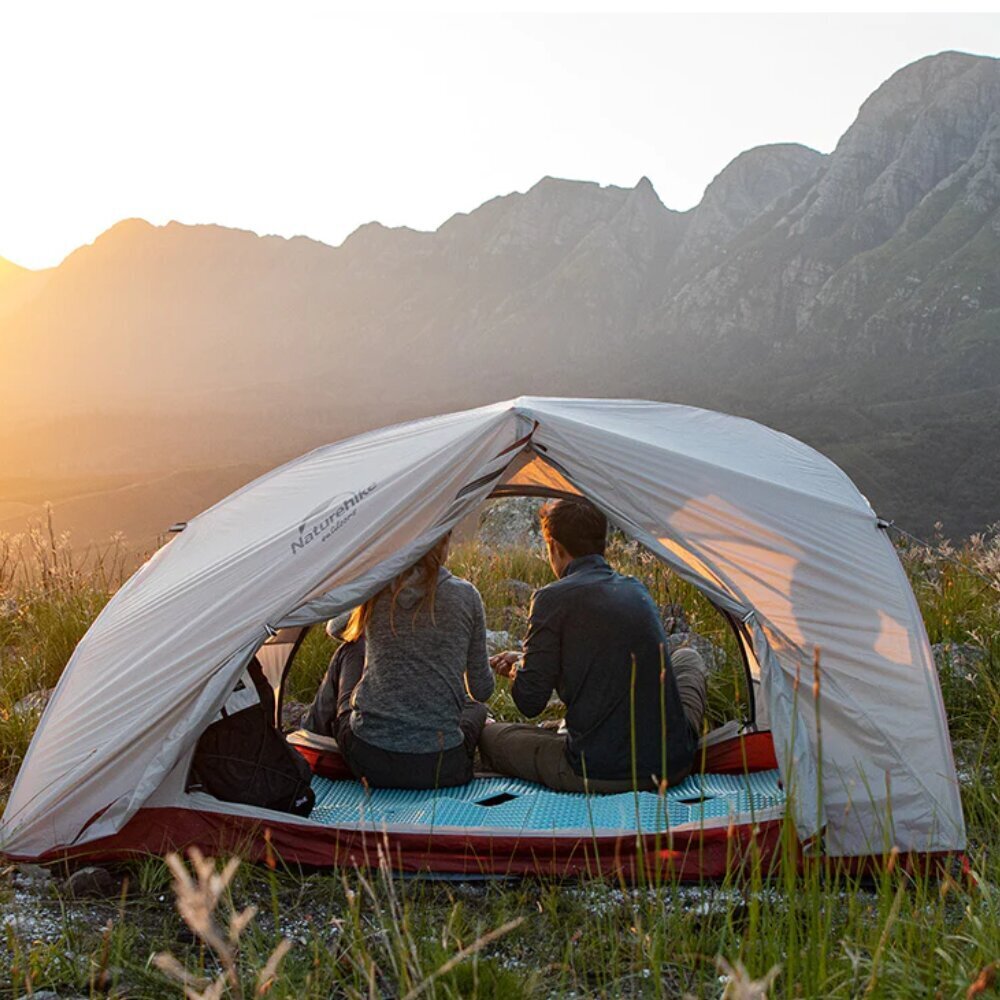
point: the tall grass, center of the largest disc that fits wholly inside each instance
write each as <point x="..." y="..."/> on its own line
<point x="364" y="934"/>
<point x="49" y="595"/>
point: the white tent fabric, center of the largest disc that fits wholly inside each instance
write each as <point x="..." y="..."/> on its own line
<point x="774" y="533"/>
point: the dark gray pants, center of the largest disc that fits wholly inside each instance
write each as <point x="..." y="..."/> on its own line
<point x="330" y="715"/>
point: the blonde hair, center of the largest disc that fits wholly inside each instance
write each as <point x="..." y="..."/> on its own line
<point x="427" y="566"/>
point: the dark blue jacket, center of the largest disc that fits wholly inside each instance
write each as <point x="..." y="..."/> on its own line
<point x="595" y="637"/>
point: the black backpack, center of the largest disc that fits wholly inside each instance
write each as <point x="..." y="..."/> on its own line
<point x="244" y="758"/>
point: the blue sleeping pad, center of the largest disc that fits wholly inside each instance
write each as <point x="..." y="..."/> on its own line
<point x="509" y="804"/>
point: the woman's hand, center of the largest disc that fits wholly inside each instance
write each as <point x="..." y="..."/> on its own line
<point x="505" y="664"/>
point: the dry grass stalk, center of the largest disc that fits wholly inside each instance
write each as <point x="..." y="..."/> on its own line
<point x="462" y="955"/>
<point x="740" y="985"/>
<point x="984" y="981"/>
<point x="884" y="936"/>
<point x="197" y="900"/>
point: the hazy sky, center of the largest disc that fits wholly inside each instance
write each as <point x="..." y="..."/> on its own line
<point x="294" y="118"/>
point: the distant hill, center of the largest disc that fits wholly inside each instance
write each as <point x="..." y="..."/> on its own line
<point x="852" y="299"/>
<point x="139" y="509"/>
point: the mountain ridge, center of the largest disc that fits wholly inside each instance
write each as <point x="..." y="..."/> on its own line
<point x="851" y="298"/>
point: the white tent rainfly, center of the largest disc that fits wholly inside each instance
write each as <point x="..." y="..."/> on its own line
<point x="772" y="532"/>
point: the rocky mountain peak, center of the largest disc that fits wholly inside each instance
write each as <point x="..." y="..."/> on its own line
<point x="537" y="226"/>
<point x="753" y="180"/>
<point x="922" y="124"/>
<point x="745" y="188"/>
<point x="643" y="198"/>
<point x="374" y="238"/>
<point x="118" y="242"/>
<point x="125" y="230"/>
<point x="917" y="84"/>
<point x="646" y="223"/>
<point x="644" y="188"/>
<point x="627" y="243"/>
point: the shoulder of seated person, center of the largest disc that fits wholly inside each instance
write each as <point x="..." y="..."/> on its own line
<point x="459" y="585"/>
<point x="571" y="581"/>
<point x="551" y="592"/>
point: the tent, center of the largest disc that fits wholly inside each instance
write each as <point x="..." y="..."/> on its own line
<point x="772" y="532"/>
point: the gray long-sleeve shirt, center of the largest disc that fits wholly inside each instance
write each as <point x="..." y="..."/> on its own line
<point x="419" y="670"/>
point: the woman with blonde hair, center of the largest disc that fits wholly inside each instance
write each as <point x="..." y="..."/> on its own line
<point x="399" y="693"/>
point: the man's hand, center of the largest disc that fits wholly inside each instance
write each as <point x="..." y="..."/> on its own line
<point x="505" y="664"/>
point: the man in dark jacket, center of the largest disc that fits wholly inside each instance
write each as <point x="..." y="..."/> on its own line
<point x="595" y="637"/>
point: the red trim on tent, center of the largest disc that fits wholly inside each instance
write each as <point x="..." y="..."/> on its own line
<point x="688" y="856"/>
<point x="692" y="855"/>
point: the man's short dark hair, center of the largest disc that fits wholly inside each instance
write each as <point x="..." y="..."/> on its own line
<point x="577" y="525"/>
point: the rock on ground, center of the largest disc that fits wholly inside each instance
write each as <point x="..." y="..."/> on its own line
<point x="959" y="659"/>
<point x="511" y="523"/>
<point x="519" y="590"/>
<point x="679" y="635"/>
<point x="674" y="618"/>
<point x="497" y="642"/>
<point x="33" y="703"/>
<point x="292" y="714"/>
<point x="92" y="883"/>
<point x="31" y="875"/>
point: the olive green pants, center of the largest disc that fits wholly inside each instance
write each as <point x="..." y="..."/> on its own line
<point x="539" y="755"/>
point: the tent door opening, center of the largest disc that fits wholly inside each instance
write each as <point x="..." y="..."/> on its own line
<point x="275" y="657"/>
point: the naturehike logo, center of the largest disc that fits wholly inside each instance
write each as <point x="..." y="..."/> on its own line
<point x="321" y="528"/>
